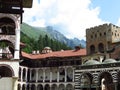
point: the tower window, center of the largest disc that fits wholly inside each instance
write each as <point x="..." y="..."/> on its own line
<point x="91" y="36"/>
<point x="100" y="34"/>
<point x="95" y="35"/>
<point x="92" y="49"/>
<point x="105" y="33"/>
<point x="101" y="48"/>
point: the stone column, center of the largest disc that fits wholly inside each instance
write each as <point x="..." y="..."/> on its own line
<point x="17" y="41"/>
<point x="65" y="74"/>
<point x="50" y="75"/>
<point x="30" y="74"/>
<point x="44" y="75"/>
<point x="21" y="77"/>
<point x="36" y="75"/>
<point x="15" y="83"/>
<point x="58" y="74"/>
<point x="115" y="79"/>
<point x="73" y="75"/>
<point x="26" y="74"/>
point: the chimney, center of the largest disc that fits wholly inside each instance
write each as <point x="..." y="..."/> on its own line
<point x="34" y="52"/>
<point x="37" y="52"/>
<point x="77" y="48"/>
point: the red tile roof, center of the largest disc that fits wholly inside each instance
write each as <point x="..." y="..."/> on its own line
<point x="66" y="53"/>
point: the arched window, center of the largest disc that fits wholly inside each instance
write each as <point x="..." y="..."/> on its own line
<point x="19" y="87"/>
<point x="40" y="75"/>
<point x="28" y="86"/>
<point x="33" y="75"/>
<point x="6" y="72"/>
<point x="61" y="87"/>
<point x="24" y="74"/>
<point x="47" y="75"/>
<point x="69" y="87"/>
<point x="19" y="74"/>
<point x="101" y="47"/>
<point x="33" y="87"/>
<point x="6" y="49"/>
<point x="47" y="87"/>
<point x="105" y="33"/>
<point x="7" y="26"/>
<point x="106" y="81"/>
<point x="23" y="87"/>
<point x="39" y="87"/>
<point x="100" y="34"/>
<point x="92" y="49"/>
<point x="28" y="75"/>
<point x="62" y="75"/>
<point x="54" y="87"/>
<point x="54" y="75"/>
<point x="69" y="74"/>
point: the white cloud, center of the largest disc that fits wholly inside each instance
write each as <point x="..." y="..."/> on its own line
<point x="74" y="15"/>
<point x="118" y="23"/>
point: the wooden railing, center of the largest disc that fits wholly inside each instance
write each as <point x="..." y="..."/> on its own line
<point x="6" y="56"/>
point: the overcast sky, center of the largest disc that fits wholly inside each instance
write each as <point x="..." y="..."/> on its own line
<point x="72" y="17"/>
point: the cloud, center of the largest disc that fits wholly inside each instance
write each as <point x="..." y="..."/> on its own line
<point x="118" y="23"/>
<point x="70" y="17"/>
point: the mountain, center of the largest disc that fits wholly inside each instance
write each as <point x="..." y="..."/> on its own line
<point x="35" y="32"/>
<point x="60" y="37"/>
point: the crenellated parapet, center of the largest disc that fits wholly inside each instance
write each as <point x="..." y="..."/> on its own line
<point x="97" y="32"/>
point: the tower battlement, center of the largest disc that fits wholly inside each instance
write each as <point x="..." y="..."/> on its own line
<point x="100" y="26"/>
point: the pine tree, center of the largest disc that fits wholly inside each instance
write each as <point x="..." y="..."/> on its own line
<point x="43" y="41"/>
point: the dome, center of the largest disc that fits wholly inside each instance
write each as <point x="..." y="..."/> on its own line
<point x="91" y="62"/>
<point x="109" y="61"/>
<point x="47" y="48"/>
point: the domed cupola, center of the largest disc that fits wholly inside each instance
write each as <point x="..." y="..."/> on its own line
<point x="91" y="62"/>
<point x="110" y="60"/>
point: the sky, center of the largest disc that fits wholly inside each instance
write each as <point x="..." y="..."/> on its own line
<point x="72" y="17"/>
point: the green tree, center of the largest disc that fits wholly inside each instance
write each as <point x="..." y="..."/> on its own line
<point x="43" y="41"/>
<point x="40" y="43"/>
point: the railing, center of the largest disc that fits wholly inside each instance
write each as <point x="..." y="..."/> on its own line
<point x="6" y="56"/>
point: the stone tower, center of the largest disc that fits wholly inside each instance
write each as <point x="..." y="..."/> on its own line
<point x="10" y="22"/>
<point x="102" y="38"/>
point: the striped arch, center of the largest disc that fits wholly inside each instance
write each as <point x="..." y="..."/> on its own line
<point x="115" y="75"/>
<point x="118" y="76"/>
<point x="102" y="73"/>
<point x="95" y="78"/>
<point x="86" y="78"/>
<point x="105" y="80"/>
